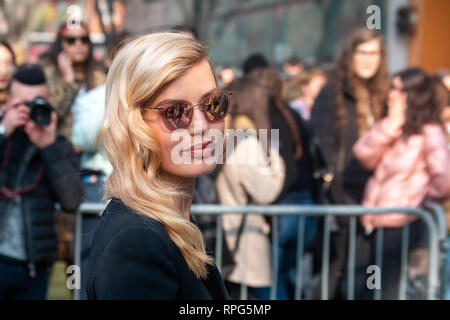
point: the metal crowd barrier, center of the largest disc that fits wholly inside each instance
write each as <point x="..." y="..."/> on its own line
<point x="439" y="215"/>
<point x="434" y="222"/>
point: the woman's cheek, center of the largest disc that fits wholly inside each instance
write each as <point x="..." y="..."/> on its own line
<point x="220" y="126"/>
<point x="168" y="162"/>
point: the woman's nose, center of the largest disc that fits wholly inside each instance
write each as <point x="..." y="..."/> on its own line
<point x="199" y="122"/>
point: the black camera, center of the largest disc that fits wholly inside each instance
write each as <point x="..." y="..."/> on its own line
<point x="41" y="111"/>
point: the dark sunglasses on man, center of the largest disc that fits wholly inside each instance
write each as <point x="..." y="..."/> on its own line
<point x="71" y="40"/>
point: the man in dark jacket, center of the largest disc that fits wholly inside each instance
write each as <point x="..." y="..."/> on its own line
<point x="38" y="167"/>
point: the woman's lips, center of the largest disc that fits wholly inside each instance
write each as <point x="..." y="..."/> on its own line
<point x="203" y="149"/>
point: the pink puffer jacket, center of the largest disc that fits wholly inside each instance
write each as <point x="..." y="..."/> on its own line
<point x="406" y="170"/>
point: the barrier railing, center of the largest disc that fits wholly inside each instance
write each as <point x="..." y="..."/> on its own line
<point x="435" y="224"/>
<point x="439" y="215"/>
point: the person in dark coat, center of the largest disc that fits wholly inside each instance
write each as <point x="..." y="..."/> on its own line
<point x="39" y="168"/>
<point x="349" y="104"/>
<point x="147" y="246"/>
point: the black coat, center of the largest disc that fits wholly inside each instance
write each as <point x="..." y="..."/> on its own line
<point x="348" y="185"/>
<point x="60" y="183"/>
<point x="133" y="257"/>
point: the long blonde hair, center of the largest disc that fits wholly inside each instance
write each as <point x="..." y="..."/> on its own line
<point x="140" y="71"/>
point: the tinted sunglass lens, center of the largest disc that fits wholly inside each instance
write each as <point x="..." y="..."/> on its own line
<point x="216" y="107"/>
<point x="178" y="116"/>
<point x="70" y="40"/>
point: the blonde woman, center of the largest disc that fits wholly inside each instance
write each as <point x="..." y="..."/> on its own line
<point x="146" y="245"/>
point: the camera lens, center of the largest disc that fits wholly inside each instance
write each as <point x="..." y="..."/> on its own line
<point x="41" y="111"/>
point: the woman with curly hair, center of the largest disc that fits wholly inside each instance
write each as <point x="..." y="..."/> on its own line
<point x="408" y="152"/>
<point x="349" y="104"/>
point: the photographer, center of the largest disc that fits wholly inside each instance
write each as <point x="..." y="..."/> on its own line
<point x="38" y="167"/>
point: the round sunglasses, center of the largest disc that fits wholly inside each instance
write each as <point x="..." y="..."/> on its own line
<point x="178" y="114"/>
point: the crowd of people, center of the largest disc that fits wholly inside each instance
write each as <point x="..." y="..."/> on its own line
<point x="382" y="140"/>
<point x="352" y="134"/>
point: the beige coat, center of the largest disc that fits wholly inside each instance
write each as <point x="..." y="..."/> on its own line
<point x="236" y="184"/>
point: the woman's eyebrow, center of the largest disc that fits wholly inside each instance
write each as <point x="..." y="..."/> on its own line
<point x="208" y="93"/>
<point x="165" y="101"/>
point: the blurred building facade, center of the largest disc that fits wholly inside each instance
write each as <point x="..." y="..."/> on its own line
<point x="312" y="30"/>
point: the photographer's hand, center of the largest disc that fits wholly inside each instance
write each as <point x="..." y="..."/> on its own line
<point x="15" y="116"/>
<point x="42" y="136"/>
